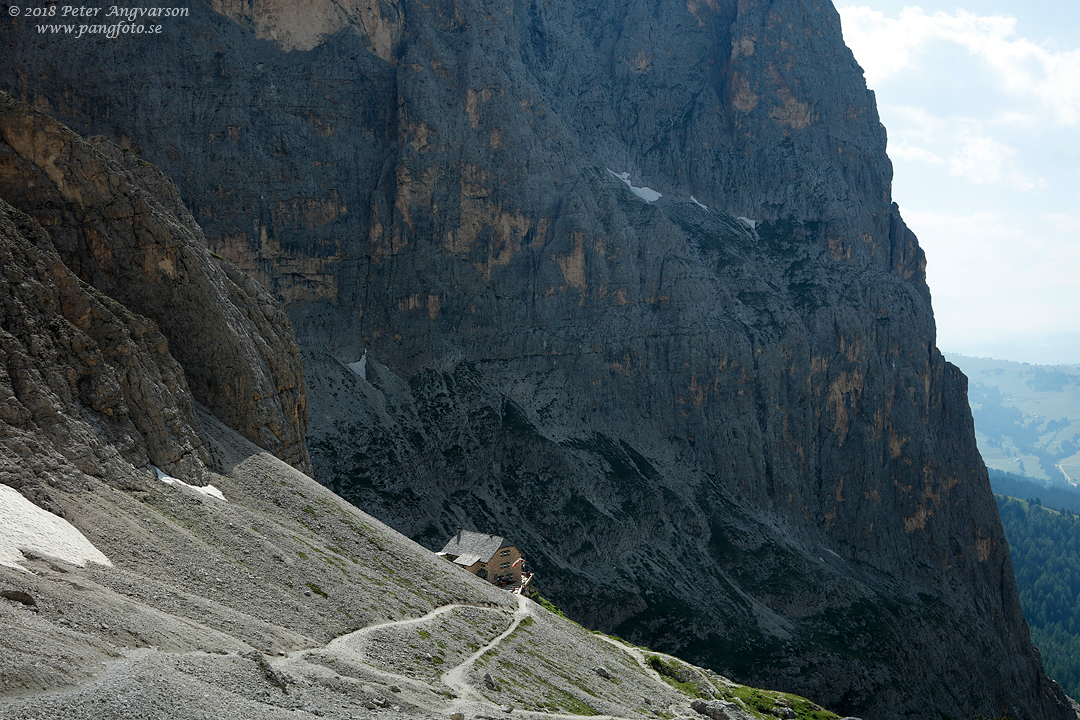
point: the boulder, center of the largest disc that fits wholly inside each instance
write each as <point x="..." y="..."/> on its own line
<point x="720" y="710"/>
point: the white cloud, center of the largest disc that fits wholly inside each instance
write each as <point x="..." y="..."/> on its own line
<point x="1063" y="223"/>
<point x="984" y="161"/>
<point x="964" y="145"/>
<point x="905" y="151"/>
<point x="880" y="50"/>
<point x="886" y="46"/>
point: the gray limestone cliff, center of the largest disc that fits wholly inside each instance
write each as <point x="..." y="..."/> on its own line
<point x="115" y="321"/>
<point x="88" y="388"/>
<point x="116" y="227"/>
<point x="717" y="421"/>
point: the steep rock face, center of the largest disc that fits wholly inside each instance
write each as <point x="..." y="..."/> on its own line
<point x="89" y="389"/>
<point x="730" y="438"/>
<point x="119" y="225"/>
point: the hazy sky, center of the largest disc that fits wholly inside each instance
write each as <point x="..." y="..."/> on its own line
<point x="981" y="100"/>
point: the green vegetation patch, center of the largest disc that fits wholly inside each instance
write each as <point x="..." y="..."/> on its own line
<point x="764" y="703"/>
<point x="676" y="675"/>
<point x="550" y="607"/>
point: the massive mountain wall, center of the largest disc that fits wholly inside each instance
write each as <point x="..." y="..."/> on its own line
<point x="732" y="438"/>
<point x="266" y="595"/>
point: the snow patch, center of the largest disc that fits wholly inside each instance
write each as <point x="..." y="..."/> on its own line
<point x="752" y="224"/>
<point x="695" y="201"/>
<point x="209" y="490"/>
<point x="360" y="366"/>
<point x="645" y="193"/>
<point x="28" y="528"/>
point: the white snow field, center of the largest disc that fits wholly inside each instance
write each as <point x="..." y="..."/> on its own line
<point x="645" y="193"/>
<point x="26" y="527"/>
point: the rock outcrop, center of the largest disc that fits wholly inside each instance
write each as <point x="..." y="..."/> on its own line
<point x="632" y="290"/>
<point x="720" y="710"/>
<point x="89" y="388"/>
<point x="120" y="231"/>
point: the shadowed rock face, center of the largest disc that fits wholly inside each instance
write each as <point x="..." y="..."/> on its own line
<point x="121" y="248"/>
<point x="88" y="387"/>
<point x="733" y="439"/>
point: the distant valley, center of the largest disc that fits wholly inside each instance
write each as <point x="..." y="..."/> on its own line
<point x="1027" y="422"/>
<point x="1027" y="417"/>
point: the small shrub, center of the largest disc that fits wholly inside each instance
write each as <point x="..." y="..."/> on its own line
<point x="759" y="702"/>
<point x="671" y="673"/>
<point x="550" y="607"/>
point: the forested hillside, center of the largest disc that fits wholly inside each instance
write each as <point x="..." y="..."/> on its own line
<point x="1017" y="486"/>
<point x="1045" y="548"/>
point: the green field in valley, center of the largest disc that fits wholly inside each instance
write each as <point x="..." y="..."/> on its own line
<point x="1027" y="417"/>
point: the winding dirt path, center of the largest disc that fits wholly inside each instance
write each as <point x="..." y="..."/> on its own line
<point x="456" y="677"/>
<point x="354" y="642"/>
<point x="634" y="653"/>
<point x="352" y="647"/>
<point x="467" y="699"/>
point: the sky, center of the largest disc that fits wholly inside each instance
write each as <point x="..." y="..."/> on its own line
<point x="981" y="101"/>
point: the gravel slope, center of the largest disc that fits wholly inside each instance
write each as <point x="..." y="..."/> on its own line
<point x="284" y="601"/>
